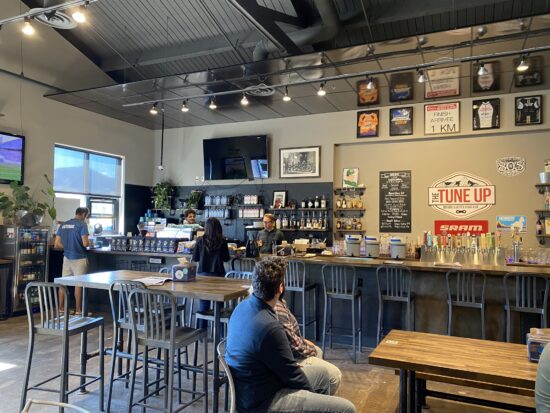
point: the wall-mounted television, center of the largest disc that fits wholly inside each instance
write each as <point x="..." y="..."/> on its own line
<point x="12" y="158"/>
<point x="240" y="157"/>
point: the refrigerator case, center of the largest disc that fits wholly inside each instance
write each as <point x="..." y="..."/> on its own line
<point x="28" y="249"/>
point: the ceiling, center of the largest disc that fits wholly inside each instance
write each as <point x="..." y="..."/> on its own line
<point x="173" y="49"/>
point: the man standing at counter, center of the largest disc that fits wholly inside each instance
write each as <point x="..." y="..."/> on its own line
<point x="72" y="237"/>
<point x="269" y="234"/>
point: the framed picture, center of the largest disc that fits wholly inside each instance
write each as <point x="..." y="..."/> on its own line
<point x="528" y="110"/>
<point x="442" y="118"/>
<point x="401" y="121"/>
<point x="442" y="82"/>
<point x="401" y="86"/>
<point x="489" y="81"/>
<point x="366" y="96"/>
<point x="350" y="178"/>
<point x="486" y="114"/>
<point x="533" y="75"/>
<point x="279" y="199"/>
<point x="300" y="162"/>
<point x="367" y="123"/>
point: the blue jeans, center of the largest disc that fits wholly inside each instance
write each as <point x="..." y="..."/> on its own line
<point x="292" y="401"/>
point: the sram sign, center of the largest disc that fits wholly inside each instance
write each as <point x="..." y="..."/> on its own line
<point x="461" y="227"/>
<point x="461" y="194"/>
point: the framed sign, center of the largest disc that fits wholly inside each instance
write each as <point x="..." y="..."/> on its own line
<point x="401" y="86"/>
<point x="279" y="199"/>
<point x="300" y="162"/>
<point x="350" y="177"/>
<point x="401" y="121"/>
<point x="533" y="75"/>
<point x="367" y="123"/>
<point x="395" y="201"/>
<point x="489" y="81"/>
<point x="486" y="114"/>
<point x="442" y="118"/>
<point x="442" y="82"/>
<point x="528" y="110"/>
<point x="367" y="96"/>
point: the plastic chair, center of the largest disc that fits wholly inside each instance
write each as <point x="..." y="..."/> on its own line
<point x="530" y="296"/>
<point x="221" y="351"/>
<point x="466" y="289"/>
<point x="154" y="325"/>
<point x="394" y="284"/>
<point x="50" y="321"/>
<point x="295" y="282"/>
<point x="340" y="283"/>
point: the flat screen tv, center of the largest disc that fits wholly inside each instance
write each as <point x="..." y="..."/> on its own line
<point x="12" y="157"/>
<point x="240" y="157"/>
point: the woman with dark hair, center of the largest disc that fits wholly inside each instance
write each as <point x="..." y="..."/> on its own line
<point x="210" y="252"/>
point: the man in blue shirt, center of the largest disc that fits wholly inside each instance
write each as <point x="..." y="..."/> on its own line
<point x="267" y="377"/>
<point x="72" y="237"/>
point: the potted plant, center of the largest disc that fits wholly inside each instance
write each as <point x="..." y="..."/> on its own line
<point x="162" y="195"/>
<point x="194" y="199"/>
<point x="19" y="207"/>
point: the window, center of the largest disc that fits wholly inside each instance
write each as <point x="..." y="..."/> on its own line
<point x="95" y="179"/>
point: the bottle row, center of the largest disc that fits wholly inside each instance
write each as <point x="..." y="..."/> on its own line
<point x="349" y="224"/>
<point x="344" y="202"/>
<point x="307" y="220"/>
<point x="314" y="202"/>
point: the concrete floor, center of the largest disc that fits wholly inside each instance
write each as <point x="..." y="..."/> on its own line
<point x="371" y="389"/>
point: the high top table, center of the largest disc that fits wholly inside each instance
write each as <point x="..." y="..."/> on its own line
<point x="483" y="361"/>
<point x="216" y="289"/>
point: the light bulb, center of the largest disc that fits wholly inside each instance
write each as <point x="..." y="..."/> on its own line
<point x="286" y="97"/>
<point x="422" y="77"/>
<point x="482" y="71"/>
<point x="154" y="111"/>
<point x="27" y="28"/>
<point x="322" y="91"/>
<point x="370" y="84"/>
<point x="79" y="16"/>
<point x="213" y="104"/>
<point x="184" y="107"/>
<point x="244" y="100"/>
<point x="523" y="65"/>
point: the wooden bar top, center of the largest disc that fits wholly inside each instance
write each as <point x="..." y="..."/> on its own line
<point x="363" y="262"/>
<point x="205" y="288"/>
<point x="466" y="358"/>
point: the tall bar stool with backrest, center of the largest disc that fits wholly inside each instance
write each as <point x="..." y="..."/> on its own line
<point x="394" y="284"/>
<point x="154" y="325"/>
<point x="49" y="321"/>
<point x="221" y="357"/>
<point x="466" y="289"/>
<point x="243" y="264"/>
<point x="121" y="323"/>
<point x="530" y="295"/>
<point x="295" y="282"/>
<point x="340" y="283"/>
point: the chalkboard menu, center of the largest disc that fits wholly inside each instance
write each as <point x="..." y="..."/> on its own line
<point x="395" y="201"/>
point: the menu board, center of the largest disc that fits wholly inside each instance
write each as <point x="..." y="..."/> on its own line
<point x="395" y="201"/>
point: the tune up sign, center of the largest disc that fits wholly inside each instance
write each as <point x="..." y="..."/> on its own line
<point x="461" y="194"/>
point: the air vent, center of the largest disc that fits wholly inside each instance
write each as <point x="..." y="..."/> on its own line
<point x="57" y="20"/>
<point x="263" y="91"/>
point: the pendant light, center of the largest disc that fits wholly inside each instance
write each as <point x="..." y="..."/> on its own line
<point x="422" y="78"/>
<point x="154" y="111"/>
<point x="286" y="97"/>
<point x="244" y="100"/>
<point x="213" y="105"/>
<point x="370" y="84"/>
<point x="523" y="65"/>
<point x="482" y="71"/>
<point x="184" y="107"/>
<point x="321" y="91"/>
<point x="27" y="29"/>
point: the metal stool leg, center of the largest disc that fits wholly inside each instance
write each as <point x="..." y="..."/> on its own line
<point x="64" y="369"/>
<point x="30" y="350"/>
<point x="304" y="312"/>
<point x="380" y="320"/>
<point x="133" y="379"/>
<point x="483" y="321"/>
<point x="354" y="333"/>
<point x="449" y="318"/>
<point x="145" y="374"/>
<point x="508" y="324"/>
<point x="315" y="291"/>
<point x="360" y="325"/>
<point x="323" y="338"/>
<point x="101" y="346"/>
<point x="112" y="371"/>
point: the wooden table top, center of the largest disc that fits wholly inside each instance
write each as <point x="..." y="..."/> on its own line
<point x="466" y="358"/>
<point x="205" y="288"/>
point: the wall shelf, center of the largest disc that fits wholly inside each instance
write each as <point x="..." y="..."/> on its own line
<point x="350" y="230"/>
<point x="304" y="230"/>
<point x="341" y="191"/>
<point x="541" y="187"/>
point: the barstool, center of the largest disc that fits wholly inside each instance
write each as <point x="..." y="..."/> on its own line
<point x="295" y="282"/>
<point x="394" y="284"/>
<point x="49" y="321"/>
<point x="243" y="264"/>
<point x="466" y="289"/>
<point x="340" y="283"/>
<point x="153" y="320"/>
<point x="530" y="296"/>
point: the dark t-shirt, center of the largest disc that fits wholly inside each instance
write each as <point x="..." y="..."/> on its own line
<point x="71" y="233"/>
<point x="268" y="238"/>
<point x="210" y="261"/>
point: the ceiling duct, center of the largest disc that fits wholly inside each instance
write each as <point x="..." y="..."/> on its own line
<point x="56" y="19"/>
<point x="260" y="90"/>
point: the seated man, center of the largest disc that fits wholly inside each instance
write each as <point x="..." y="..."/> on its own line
<point x="267" y="377"/>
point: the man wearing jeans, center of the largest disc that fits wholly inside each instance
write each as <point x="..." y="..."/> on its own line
<point x="267" y="377"/>
<point x="72" y="237"/>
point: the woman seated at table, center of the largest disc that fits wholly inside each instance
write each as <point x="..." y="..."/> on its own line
<point x="210" y="252"/>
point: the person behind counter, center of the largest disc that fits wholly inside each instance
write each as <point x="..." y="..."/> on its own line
<point x="210" y="252"/>
<point x="269" y="234"/>
<point x="190" y="217"/>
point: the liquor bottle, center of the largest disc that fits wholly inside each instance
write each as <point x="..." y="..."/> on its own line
<point x="325" y="221"/>
<point x="339" y="203"/>
<point x="285" y="222"/>
<point x="314" y="222"/>
<point x="278" y="222"/>
<point x="344" y="203"/>
<point x="251" y="249"/>
<point x="302" y="221"/>
<point x="303" y="203"/>
<point x="310" y="203"/>
<point x="338" y="224"/>
<point x="539" y="227"/>
<point x="316" y="203"/>
<point x="308" y="221"/>
<point x="323" y="201"/>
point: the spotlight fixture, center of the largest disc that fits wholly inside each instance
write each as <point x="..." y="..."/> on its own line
<point x="27" y="27"/>
<point x="213" y="104"/>
<point x="370" y="84"/>
<point x="321" y="91"/>
<point x="421" y="76"/>
<point x="154" y="111"/>
<point x="79" y="14"/>
<point x="184" y="107"/>
<point x="482" y="71"/>
<point x="244" y="100"/>
<point x="286" y="97"/>
<point x="523" y="65"/>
